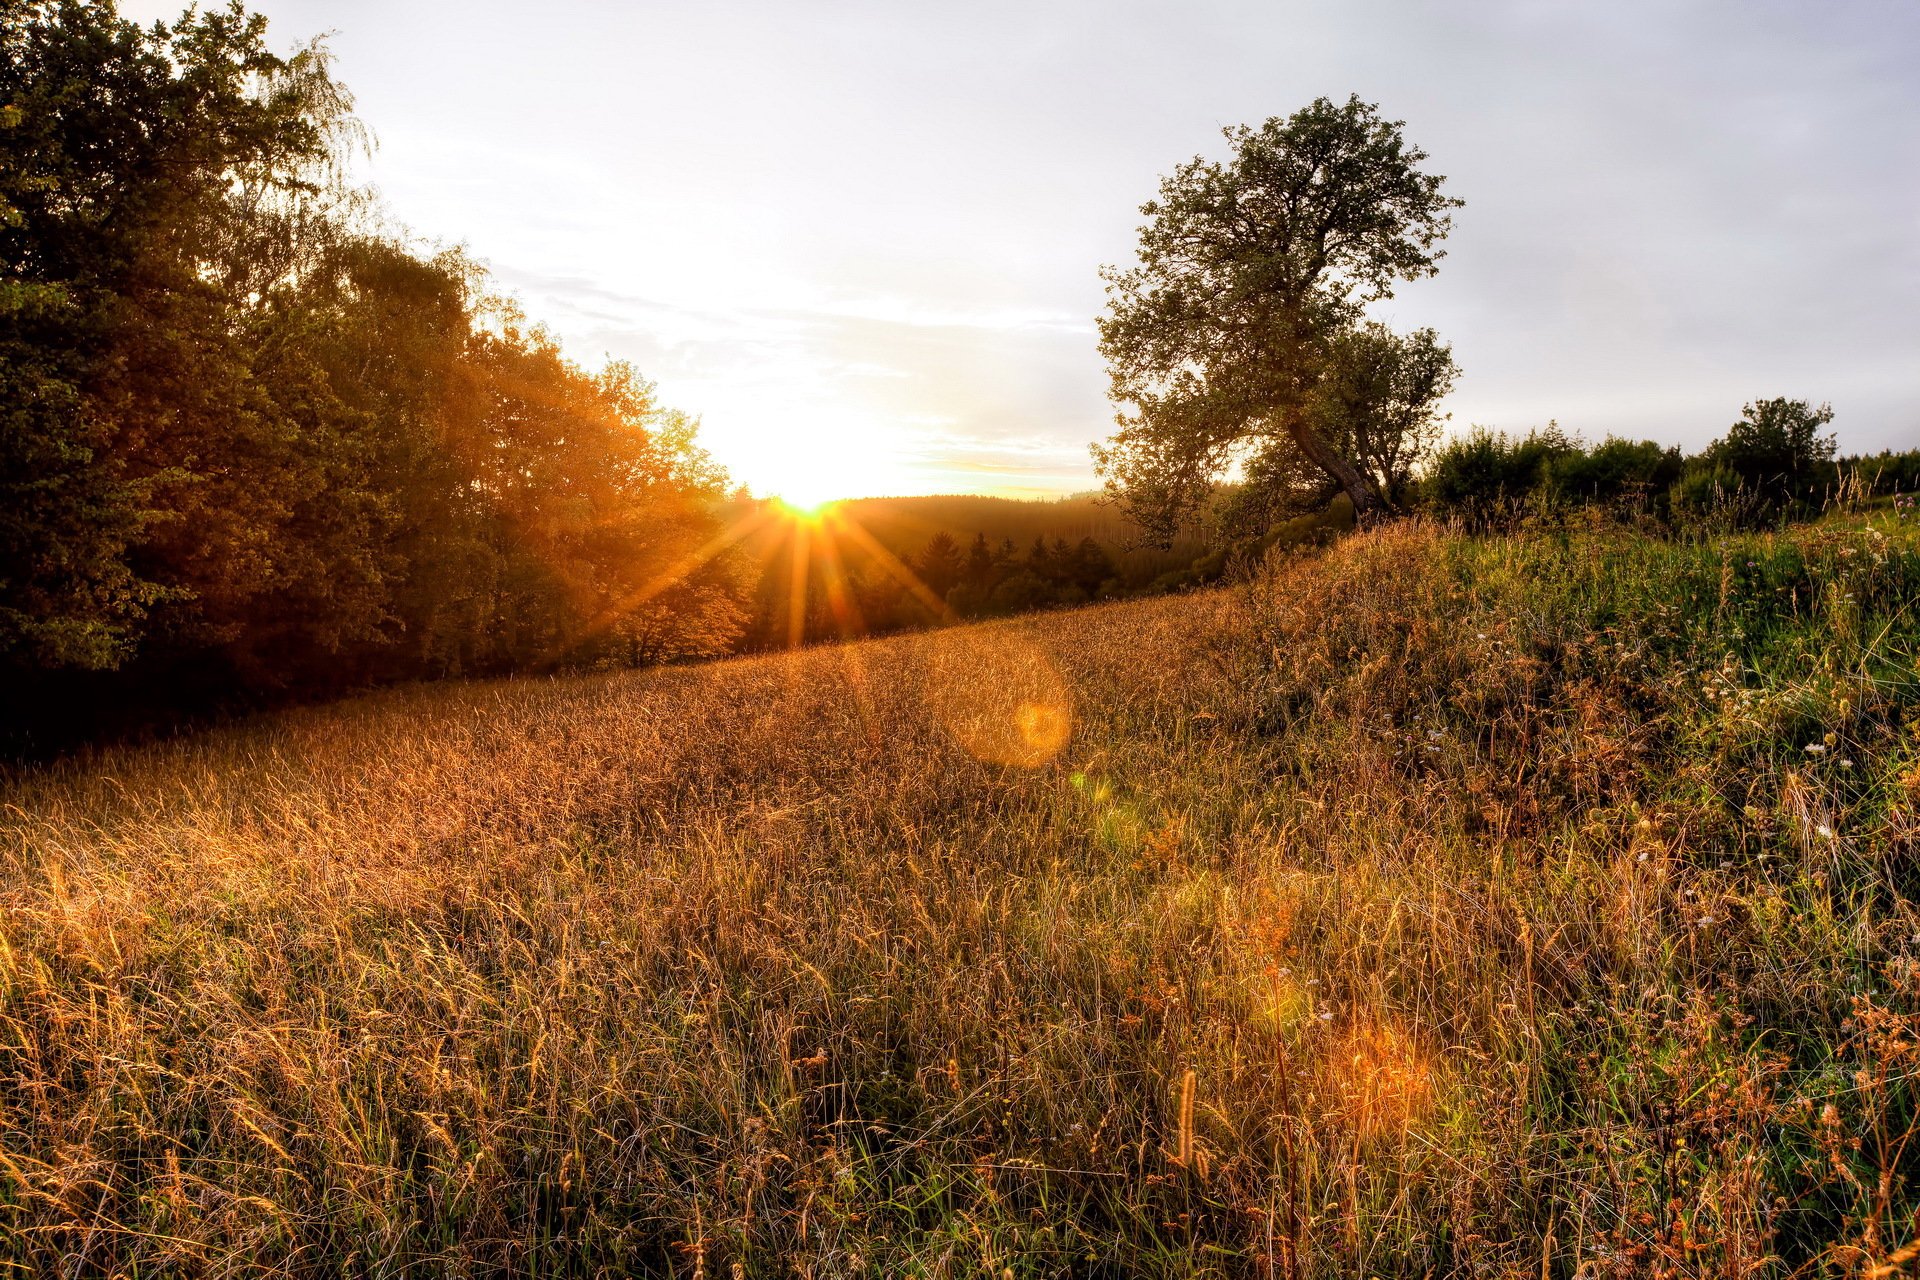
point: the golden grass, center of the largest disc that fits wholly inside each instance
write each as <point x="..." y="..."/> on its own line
<point x="1435" y="907"/>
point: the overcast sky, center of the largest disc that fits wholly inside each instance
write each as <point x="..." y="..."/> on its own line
<point x="862" y="241"/>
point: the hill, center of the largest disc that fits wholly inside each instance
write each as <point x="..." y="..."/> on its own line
<point x="1431" y="905"/>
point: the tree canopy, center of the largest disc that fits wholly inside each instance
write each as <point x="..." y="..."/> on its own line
<point x="1240" y="335"/>
<point x="250" y="440"/>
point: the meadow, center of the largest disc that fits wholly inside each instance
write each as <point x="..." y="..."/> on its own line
<point x="1529" y="905"/>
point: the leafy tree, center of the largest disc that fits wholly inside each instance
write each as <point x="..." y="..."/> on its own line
<point x="1376" y="401"/>
<point x="1777" y="446"/>
<point x="125" y="384"/>
<point x="1617" y="472"/>
<point x="1486" y="474"/>
<point x="1240" y="331"/>
<point x="248" y="441"/>
<point x="1020" y="591"/>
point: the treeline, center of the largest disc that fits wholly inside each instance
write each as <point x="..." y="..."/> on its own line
<point x="1776" y="463"/>
<point x="831" y="582"/>
<point x="252" y="443"/>
<point x="905" y="524"/>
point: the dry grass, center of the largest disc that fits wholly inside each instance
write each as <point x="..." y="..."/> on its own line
<point x="1438" y="906"/>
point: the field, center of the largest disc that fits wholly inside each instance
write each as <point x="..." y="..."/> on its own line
<point x="1510" y="906"/>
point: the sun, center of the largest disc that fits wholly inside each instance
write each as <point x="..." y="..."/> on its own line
<point x="805" y="501"/>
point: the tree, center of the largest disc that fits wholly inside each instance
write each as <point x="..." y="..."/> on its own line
<point x="1776" y="447"/>
<point x="1089" y="566"/>
<point x="1040" y="559"/>
<point x="124" y="379"/>
<point x="1240" y="330"/>
<point x="941" y="565"/>
<point x="250" y="442"/>
<point x="980" y="564"/>
<point x="1376" y="401"/>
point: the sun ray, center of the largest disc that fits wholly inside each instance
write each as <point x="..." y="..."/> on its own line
<point x="895" y="568"/>
<point x="680" y="569"/>
<point x="797" y="584"/>
<point x="845" y="609"/>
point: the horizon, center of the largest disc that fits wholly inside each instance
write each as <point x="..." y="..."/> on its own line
<point x="869" y="264"/>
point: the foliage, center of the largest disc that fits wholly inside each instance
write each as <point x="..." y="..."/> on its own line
<point x="1771" y="466"/>
<point x="252" y="445"/>
<point x="1774" y="460"/>
<point x="1484" y="474"/>
<point x="1240" y="331"/>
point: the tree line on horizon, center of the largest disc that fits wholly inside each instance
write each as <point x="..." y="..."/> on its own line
<point x="849" y="591"/>
<point x="1775" y="463"/>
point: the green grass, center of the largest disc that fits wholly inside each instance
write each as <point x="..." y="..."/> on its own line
<point x="1429" y="906"/>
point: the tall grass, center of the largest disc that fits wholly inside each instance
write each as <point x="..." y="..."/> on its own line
<point x="1537" y="905"/>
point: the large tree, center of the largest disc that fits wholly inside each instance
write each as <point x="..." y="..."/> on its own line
<point x="253" y="442"/>
<point x="1240" y="334"/>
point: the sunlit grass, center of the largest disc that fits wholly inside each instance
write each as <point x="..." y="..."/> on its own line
<point x="1436" y="906"/>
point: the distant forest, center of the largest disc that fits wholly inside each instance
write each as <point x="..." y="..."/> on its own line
<point x="965" y="557"/>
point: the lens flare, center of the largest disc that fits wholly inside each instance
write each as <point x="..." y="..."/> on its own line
<point x="1000" y="695"/>
<point x="1383" y="1079"/>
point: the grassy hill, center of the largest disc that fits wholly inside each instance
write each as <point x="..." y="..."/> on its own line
<point x="1510" y="906"/>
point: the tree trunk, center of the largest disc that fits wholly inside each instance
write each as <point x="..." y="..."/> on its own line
<point x="1368" y="504"/>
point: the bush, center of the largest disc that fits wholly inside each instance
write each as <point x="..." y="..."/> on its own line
<point x="1628" y="475"/>
<point x="1486" y="476"/>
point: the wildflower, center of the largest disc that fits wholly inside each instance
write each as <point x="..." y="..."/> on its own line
<point x="1326" y="1017"/>
<point x="1815" y="749"/>
<point x="1845" y="763"/>
<point x="1824" y="831"/>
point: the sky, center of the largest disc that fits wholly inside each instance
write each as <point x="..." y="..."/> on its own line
<point x="862" y="241"/>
